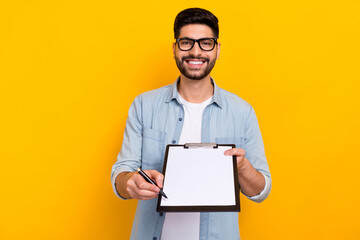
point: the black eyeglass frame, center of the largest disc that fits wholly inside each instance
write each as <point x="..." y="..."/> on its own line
<point x="198" y="41"/>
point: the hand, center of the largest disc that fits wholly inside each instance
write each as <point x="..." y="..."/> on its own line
<point x="251" y="181"/>
<point x="138" y="188"/>
<point x="240" y="158"/>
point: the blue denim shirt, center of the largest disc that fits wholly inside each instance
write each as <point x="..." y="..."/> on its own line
<point x="155" y="119"/>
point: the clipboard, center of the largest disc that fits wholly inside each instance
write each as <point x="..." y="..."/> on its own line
<point x="198" y="177"/>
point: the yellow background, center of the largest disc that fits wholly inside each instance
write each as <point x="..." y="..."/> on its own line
<point x="69" y="71"/>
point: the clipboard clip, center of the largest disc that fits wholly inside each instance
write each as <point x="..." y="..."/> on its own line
<point x="200" y="145"/>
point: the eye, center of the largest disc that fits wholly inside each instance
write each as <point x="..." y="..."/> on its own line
<point x="207" y="42"/>
<point x="186" y="42"/>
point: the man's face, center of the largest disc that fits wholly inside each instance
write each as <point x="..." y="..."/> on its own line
<point x="196" y="64"/>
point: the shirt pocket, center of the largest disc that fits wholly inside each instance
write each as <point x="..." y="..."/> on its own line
<point x="153" y="149"/>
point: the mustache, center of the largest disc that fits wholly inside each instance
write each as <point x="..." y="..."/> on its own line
<point x="194" y="57"/>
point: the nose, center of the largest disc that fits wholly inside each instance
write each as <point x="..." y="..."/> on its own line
<point x="196" y="50"/>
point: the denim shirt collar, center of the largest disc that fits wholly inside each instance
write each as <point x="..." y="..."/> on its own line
<point x="173" y="93"/>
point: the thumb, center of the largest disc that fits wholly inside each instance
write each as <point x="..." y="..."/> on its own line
<point x="229" y="152"/>
<point x="159" y="178"/>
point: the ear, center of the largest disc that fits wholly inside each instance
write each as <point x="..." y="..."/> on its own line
<point x="174" y="49"/>
<point x="218" y="50"/>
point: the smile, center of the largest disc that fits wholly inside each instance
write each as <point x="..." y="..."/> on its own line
<point x="195" y="62"/>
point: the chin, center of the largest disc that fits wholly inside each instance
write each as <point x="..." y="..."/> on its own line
<point x="194" y="77"/>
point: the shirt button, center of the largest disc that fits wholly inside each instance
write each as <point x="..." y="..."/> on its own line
<point x="173" y="141"/>
<point x="180" y="119"/>
<point x="161" y="214"/>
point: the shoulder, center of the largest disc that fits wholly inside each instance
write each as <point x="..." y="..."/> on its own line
<point x="233" y="102"/>
<point x="153" y="96"/>
<point x="155" y="92"/>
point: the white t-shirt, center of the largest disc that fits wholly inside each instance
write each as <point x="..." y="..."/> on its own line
<point x="180" y="226"/>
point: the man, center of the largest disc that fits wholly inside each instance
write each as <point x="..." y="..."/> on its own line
<point x="193" y="109"/>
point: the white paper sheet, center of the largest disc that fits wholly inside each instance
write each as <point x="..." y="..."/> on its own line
<point x="199" y="177"/>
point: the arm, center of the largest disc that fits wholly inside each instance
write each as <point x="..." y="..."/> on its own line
<point x="251" y="181"/>
<point x="253" y="171"/>
<point x="127" y="183"/>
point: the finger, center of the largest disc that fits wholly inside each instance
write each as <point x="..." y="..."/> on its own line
<point x="142" y="184"/>
<point x="145" y="194"/>
<point x="139" y="190"/>
<point x="156" y="176"/>
<point x="159" y="180"/>
<point x="142" y="194"/>
<point x="235" y="152"/>
<point x="146" y="190"/>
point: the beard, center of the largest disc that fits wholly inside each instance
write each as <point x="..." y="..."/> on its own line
<point x="195" y="74"/>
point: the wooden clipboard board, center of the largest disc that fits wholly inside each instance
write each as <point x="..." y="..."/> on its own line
<point x="198" y="177"/>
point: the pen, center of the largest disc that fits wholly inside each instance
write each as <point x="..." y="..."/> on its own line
<point x="148" y="179"/>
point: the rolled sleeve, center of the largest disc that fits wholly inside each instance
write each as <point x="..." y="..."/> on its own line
<point x="114" y="184"/>
<point x="264" y="193"/>
<point x="114" y="174"/>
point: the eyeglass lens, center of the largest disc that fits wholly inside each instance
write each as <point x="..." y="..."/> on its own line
<point x="205" y="44"/>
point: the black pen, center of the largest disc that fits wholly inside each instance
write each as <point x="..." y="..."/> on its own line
<point x="148" y="179"/>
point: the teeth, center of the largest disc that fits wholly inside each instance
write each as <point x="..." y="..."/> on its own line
<point x="195" y="62"/>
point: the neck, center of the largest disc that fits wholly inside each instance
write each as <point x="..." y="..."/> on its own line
<point x="195" y="91"/>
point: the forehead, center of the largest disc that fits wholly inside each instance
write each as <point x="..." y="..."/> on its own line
<point x="196" y="31"/>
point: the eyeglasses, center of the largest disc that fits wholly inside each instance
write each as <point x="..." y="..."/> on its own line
<point x="205" y="44"/>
